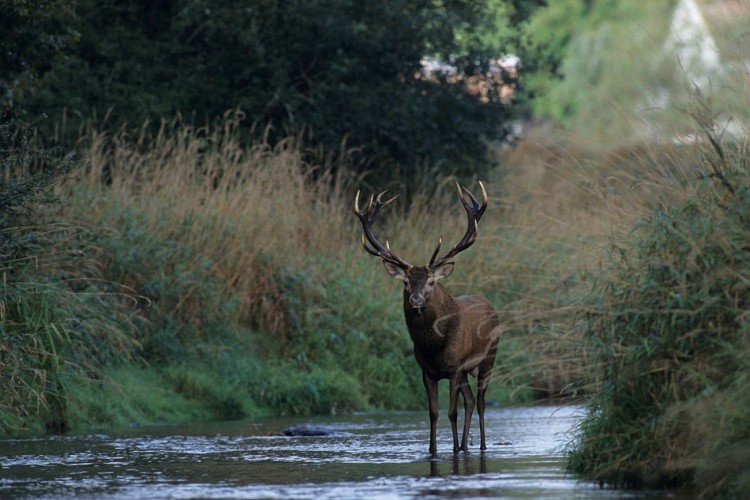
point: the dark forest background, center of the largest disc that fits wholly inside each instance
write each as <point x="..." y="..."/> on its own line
<point x="345" y="75"/>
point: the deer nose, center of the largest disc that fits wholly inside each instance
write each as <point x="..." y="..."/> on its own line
<point x="416" y="300"/>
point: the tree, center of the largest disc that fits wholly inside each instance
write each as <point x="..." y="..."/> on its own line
<point x="338" y="71"/>
<point x="32" y="35"/>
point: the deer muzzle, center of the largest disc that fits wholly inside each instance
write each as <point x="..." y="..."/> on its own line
<point x="416" y="300"/>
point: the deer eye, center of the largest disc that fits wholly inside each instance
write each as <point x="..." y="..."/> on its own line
<point x="430" y="282"/>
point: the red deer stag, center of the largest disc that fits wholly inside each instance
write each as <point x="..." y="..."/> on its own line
<point x="452" y="336"/>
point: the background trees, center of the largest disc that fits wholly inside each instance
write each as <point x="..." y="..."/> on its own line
<point x="343" y="73"/>
<point x="32" y="33"/>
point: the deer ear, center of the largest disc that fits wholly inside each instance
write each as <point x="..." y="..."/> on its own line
<point x="444" y="270"/>
<point x="395" y="270"/>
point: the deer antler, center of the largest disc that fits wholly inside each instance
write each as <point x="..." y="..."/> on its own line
<point x="474" y="212"/>
<point x="367" y="217"/>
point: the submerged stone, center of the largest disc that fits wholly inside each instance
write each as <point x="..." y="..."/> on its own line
<point x="304" y="431"/>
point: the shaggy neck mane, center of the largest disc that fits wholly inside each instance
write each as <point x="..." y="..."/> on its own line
<point x="430" y="326"/>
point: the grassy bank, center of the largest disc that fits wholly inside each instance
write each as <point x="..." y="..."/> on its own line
<point x="185" y="277"/>
<point x="664" y="329"/>
<point x="218" y="260"/>
<point x="217" y="281"/>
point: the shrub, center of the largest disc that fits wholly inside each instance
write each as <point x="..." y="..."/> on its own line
<point x="666" y="333"/>
<point x="59" y="319"/>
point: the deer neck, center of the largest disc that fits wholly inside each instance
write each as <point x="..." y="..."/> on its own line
<point x="432" y="326"/>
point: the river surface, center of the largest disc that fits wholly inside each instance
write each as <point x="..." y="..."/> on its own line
<point x="371" y="455"/>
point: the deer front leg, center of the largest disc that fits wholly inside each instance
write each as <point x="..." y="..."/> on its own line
<point x="431" y="387"/>
<point x="480" y="408"/>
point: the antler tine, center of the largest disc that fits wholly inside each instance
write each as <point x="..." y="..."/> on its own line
<point x="367" y="216"/>
<point x="479" y="209"/>
<point x="369" y="250"/>
<point x="474" y="212"/>
<point x="435" y="253"/>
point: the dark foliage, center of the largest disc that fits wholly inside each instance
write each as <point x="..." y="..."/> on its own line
<point x="27" y="174"/>
<point x="32" y="34"/>
<point x="346" y="74"/>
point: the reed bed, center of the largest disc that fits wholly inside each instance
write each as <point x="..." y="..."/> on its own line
<point x="663" y="330"/>
<point x="274" y="235"/>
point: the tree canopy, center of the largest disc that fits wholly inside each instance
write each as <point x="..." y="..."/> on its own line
<point x="32" y="34"/>
<point x="341" y="72"/>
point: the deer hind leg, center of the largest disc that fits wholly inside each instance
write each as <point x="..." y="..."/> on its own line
<point x="483" y="381"/>
<point x="459" y="383"/>
<point x="468" y="411"/>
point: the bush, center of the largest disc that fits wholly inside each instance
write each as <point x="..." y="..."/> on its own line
<point x="59" y="320"/>
<point x="667" y="335"/>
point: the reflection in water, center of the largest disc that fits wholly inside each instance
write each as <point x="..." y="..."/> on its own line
<point x="465" y="465"/>
<point x="381" y="455"/>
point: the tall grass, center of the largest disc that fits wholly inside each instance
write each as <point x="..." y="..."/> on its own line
<point x="235" y="249"/>
<point x="215" y="211"/>
<point x="60" y="321"/>
<point x="52" y="332"/>
<point x="564" y="198"/>
<point x="251" y="293"/>
<point x="665" y="333"/>
<point x="259" y="248"/>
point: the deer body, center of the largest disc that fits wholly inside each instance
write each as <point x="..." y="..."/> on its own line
<point x="440" y="345"/>
<point x="453" y="336"/>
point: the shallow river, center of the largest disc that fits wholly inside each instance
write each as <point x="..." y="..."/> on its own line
<point x="373" y="455"/>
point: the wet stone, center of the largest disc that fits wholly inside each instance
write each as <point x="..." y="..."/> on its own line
<point x="304" y="431"/>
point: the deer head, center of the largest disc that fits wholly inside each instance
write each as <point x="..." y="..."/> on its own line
<point x="422" y="281"/>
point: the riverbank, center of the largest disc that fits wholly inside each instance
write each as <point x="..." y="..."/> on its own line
<point x="664" y="329"/>
<point x="175" y="282"/>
